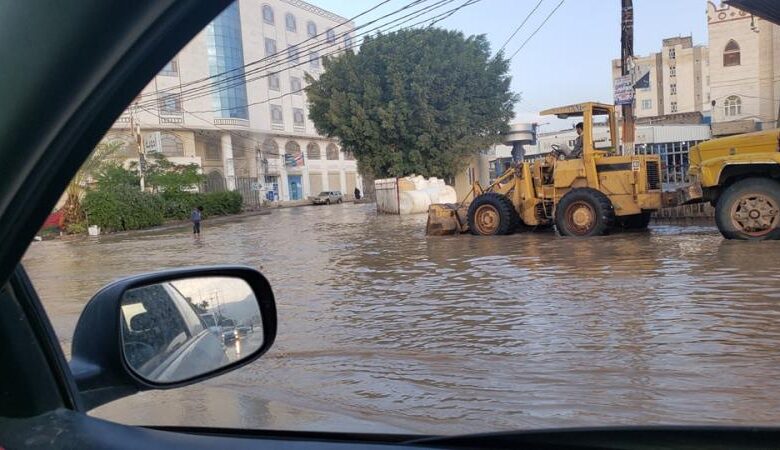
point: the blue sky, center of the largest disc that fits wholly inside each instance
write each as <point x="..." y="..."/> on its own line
<point x="568" y="60"/>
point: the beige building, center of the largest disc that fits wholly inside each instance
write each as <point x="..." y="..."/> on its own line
<point x="232" y="102"/>
<point x="677" y="79"/>
<point x="744" y="70"/>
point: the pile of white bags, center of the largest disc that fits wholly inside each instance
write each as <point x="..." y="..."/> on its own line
<point x="416" y="193"/>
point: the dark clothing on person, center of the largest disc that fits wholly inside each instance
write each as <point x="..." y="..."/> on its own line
<point x="577" y="151"/>
<point x="195" y="217"/>
<point x="357" y="194"/>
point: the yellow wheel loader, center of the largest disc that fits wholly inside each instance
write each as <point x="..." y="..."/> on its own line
<point x="582" y="196"/>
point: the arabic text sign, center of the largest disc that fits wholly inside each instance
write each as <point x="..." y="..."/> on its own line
<point x="624" y="90"/>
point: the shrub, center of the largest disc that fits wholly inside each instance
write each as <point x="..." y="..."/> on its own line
<point x="123" y="208"/>
<point x="220" y="203"/>
<point x="178" y="205"/>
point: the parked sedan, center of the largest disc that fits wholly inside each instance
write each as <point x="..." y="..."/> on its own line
<point x="327" y="197"/>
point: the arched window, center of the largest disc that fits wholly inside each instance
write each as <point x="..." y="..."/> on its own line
<point x="731" y="54"/>
<point x="313" y="151"/>
<point x="311" y="29"/>
<point x="732" y="106"/>
<point x="270" y="148"/>
<point x="289" y="21"/>
<point x="348" y="156"/>
<point x="124" y="142"/>
<point x="330" y="36"/>
<point x="268" y="14"/>
<point x="332" y="152"/>
<point x="292" y="148"/>
<point x="171" y="145"/>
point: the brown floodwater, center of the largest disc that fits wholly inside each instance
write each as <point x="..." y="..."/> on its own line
<point x="384" y="329"/>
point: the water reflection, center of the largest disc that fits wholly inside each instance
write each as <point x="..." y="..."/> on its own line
<point x="379" y="324"/>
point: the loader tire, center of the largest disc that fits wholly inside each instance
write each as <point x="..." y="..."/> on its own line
<point x="750" y="210"/>
<point x="584" y="212"/>
<point x="635" y="221"/>
<point x="492" y="214"/>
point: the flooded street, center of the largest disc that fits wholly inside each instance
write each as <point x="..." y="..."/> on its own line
<point x="384" y="329"/>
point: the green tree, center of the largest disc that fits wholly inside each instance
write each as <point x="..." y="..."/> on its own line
<point x="105" y="153"/>
<point x="113" y="175"/>
<point x="162" y="175"/>
<point x="414" y="101"/>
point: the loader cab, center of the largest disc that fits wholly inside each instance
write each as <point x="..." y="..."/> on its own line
<point x="599" y="133"/>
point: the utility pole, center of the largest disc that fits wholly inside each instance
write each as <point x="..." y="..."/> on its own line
<point x="135" y="128"/>
<point x="627" y="56"/>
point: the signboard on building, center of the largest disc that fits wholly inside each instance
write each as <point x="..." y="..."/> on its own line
<point x="152" y="142"/>
<point x="624" y="90"/>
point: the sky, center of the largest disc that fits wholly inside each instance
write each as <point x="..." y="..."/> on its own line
<point x="568" y="60"/>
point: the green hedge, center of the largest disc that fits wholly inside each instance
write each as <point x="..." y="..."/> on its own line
<point x="123" y="208"/>
<point x="126" y="208"/>
<point x="220" y="203"/>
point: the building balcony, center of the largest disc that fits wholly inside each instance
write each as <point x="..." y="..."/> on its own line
<point x="171" y="118"/>
<point x="231" y="121"/>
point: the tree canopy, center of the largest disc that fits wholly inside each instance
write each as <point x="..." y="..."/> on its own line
<point x="414" y="101"/>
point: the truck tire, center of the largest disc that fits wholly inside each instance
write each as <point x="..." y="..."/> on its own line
<point x="584" y="212"/>
<point x="750" y="210"/>
<point x="635" y="221"/>
<point x="492" y="214"/>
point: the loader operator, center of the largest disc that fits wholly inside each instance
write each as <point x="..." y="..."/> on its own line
<point x="577" y="151"/>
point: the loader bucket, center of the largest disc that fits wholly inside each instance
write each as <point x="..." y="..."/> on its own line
<point x="446" y="218"/>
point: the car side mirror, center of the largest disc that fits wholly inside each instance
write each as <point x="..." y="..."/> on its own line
<point x="169" y="329"/>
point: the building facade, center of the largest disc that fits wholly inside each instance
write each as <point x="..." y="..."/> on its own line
<point x="744" y="70"/>
<point x="678" y="79"/>
<point x="232" y="101"/>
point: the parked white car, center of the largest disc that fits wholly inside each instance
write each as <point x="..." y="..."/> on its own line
<point x="327" y="197"/>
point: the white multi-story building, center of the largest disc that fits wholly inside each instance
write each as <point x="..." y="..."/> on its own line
<point x="678" y="79"/>
<point x="744" y="70"/>
<point x="250" y="112"/>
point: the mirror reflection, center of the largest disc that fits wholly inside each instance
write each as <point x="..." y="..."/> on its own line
<point x="184" y="328"/>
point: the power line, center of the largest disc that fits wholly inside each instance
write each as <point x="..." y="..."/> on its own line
<point x="435" y="19"/>
<point x="350" y="20"/>
<point x="537" y="29"/>
<point x="239" y="80"/>
<point x="293" y="51"/>
<point x="521" y="26"/>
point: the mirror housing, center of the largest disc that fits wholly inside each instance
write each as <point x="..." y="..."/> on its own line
<point x="98" y="363"/>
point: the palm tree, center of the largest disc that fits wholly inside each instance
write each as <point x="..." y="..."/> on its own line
<point x="103" y="153"/>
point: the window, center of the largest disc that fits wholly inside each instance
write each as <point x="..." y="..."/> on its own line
<point x="330" y="36"/>
<point x="276" y="114"/>
<point x="270" y="47"/>
<point x="292" y="148"/>
<point x="647" y="104"/>
<point x="732" y="106"/>
<point x="314" y="60"/>
<point x="311" y="29"/>
<point x="673" y="88"/>
<point x="331" y="152"/>
<point x="674" y="107"/>
<point x="731" y="55"/>
<point x="298" y="117"/>
<point x="270" y="147"/>
<point x="268" y="15"/>
<point x="213" y="151"/>
<point x="313" y="151"/>
<point x="289" y="22"/>
<point x="171" y="145"/>
<point x="170" y="104"/>
<point x="171" y="69"/>
<point x="295" y="85"/>
<point x="347" y="42"/>
<point x="274" y="83"/>
<point x="672" y="54"/>
<point x="292" y="53"/>
<point x="226" y="64"/>
<point x="672" y="71"/>
<point x="348" y="156"/>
